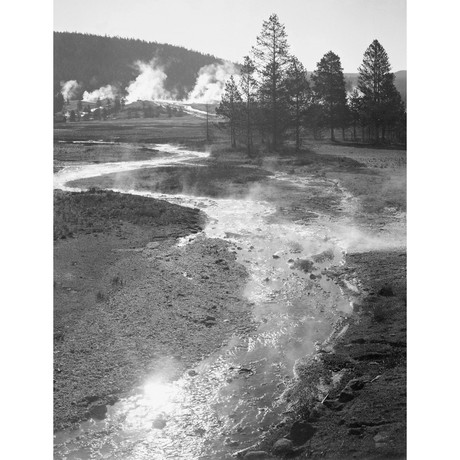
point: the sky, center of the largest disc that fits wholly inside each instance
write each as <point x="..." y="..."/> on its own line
<point x="228" y="28"/>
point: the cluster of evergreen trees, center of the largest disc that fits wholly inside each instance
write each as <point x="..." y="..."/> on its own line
<point x="274" y="98"/>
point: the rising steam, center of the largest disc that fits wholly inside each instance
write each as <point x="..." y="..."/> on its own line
<point x="210" y="82"/>
<point x="106" y="92"/>
<point x="149" y="85"/>
<point x="69" y="89"/>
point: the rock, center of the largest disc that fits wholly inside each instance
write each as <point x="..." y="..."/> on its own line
<point x="257" y="455"/>
<point x="98" y="412"/>
<point x="381" y="439"/>
<point x="317" y="412"/>
<point x="346" y="395"/>
<point x="283" y="447"/>
<point x="355" y="431"/>
<point x="386" y="291"/>
<point x="333" y="404"/>
<point x="355" y="384"/>
<point x="276" y="256"/>
<point x="312" y="276"/>
<point x="159" y="423"/>
<point x="192" y="373"/>
<point x="301" y="432"/>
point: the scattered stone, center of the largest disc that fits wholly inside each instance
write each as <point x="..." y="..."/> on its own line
<point x="304" y="264"/>
<point x="346" y="395"/>
<point x="283" y="447"/>
<point x="333" y="404"/>
<point x="317" y="412"/>
<point x="301" y="432"/>
<point x="380" y="440"/>
<point x="98" y="412"/>
<point x="159" y="423"/>
<point x="386" y="291"/>
<point x="355" y="384"/>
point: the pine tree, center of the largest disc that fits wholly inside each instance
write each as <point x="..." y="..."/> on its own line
<point x="230" y="107"/>
<point x="271" y="58"/>
<point x="298" y="90"/>
<point x="116" y="105"/>
<point x="381" y="101"/>
<point x="248" y="86"/>
<point x="58" y="102"/>
<point x="355" y="105"/>
<point x="329" y="87"/>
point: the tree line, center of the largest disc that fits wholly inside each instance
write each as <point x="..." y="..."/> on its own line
<point x="273" y="99"/>
<point x="96" y="61"/>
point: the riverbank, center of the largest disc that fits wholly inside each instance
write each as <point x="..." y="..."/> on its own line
<point x="349" y="400"/>
<point x="125" y="296"/>
<point x="309" y="188"/>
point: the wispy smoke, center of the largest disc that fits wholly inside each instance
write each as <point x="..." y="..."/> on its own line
<point x="106" y="92"/>
<point x="69" y="88"/>
<point x="210" y="82"/>
<point x="149" y="85"/>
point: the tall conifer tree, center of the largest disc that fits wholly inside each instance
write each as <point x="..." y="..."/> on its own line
<point x="329" y="87"/>
<point x="272" y="58"/>
<point x="298" y="90"/>
<point x="381" y="101"/>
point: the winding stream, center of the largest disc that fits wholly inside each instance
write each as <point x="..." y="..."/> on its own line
<point x="232" y="397"/>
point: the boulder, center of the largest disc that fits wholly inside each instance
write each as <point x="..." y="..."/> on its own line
<point x="386" y="291"/>
<point x="346" y="395"/>
<point x="98" y="412"/>
<point x="283" y="447"/>
<point x="355" y="384"/>
<point x="301" y="432"/>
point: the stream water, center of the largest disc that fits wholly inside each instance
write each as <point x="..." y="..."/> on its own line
<point x="232" y="397"/>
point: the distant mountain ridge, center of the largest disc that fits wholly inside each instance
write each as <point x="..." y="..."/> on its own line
<point x="96" y="61"/>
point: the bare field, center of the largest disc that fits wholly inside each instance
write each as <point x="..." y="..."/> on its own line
<point x="153" y="130"/>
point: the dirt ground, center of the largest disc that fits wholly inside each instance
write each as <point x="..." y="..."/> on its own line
<point x="124" y="294"/>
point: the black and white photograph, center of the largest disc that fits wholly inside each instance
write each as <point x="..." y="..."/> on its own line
<point x="229" y="229"/>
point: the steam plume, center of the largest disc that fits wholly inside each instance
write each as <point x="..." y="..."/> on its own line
<point x="69" y="88"/>
<point x="105" y="92"/>
<point x="149" y="85"/>
<point x="210" y="82"/>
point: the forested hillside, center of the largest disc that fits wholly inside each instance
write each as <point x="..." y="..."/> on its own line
<point x="95" y="61"/>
